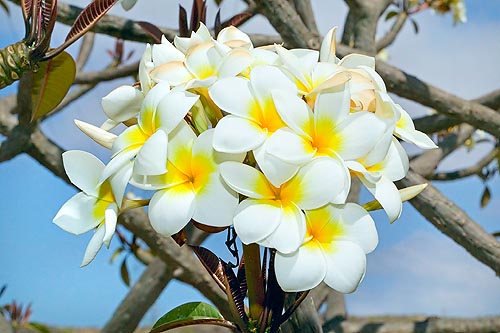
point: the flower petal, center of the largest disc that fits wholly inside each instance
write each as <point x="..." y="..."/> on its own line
<point x="331" y="107"/>
<point x="165" y="53"/>
<point x="122" y="103"/>
<point x="276" y="170"/>
<point x="152" y="157"/>
<point x="110" y="218"/>
<point x="328" y="47"/>
<point x="119" y="181"/>
<point x="174" y="73"/>
<point x="97" y="134"/>
<point x="387" y="195"/>
<point x="355" y="60"/>
<point x="294" y="112"/>
<point x="76" y="215"/>
<point x="289" y="234"/>
<point x="170" y="210"/>
<point x="237" y="135"/>
<point x="346" y="266"/>
<point x="246" y="180"/>
<point x="301" y="270"/>
<point x="316" y="183"/>
<point x="254" y="220"/>
<point x="396" y="162"/>
<point x="290" y="147"/>
<point x="173" y="108"/>
<point x="83" y="170"/>
<point x="94" y="246"/>
<point x="265" y="79"/>
<point x="233" y="95"/>
<point x="235" y="62"/>
<point x="117" y="163"/>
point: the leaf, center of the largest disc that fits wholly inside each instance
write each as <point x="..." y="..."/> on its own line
<point x="235" y="296"/>
<point x="115" y="254"/>
<point x="2" y="290"/>
<point x="237" y="19"/>
<point x="26" y="7"/>
<point x="485" y="198"/>
<point x="124" y="272"/>
<point x="48" y="10"/>
<point x="415" y="25"/>
<point x="212" y="264"/>
<point x="207" y="228"/>
<point x="37" y="327"/>
<point x="151" y="30"/>
<point x="190" y="314"/>
<point x="390" y="15"/>
<point x="218" y="2"/>
<point x="183" y="24"/>
<point x="496" y="234"/>
<point x="51" y="83"/>
<point x="217" y="23"/>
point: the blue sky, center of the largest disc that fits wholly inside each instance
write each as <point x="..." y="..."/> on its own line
<point x="415" y="269"/>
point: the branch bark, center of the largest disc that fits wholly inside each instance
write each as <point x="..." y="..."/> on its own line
<point x="391" y="35"/>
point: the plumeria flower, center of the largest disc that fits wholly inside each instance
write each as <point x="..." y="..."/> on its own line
<point x="253" y="118"/>
<point x="192" y="187"/>
<point x="146" y="142"/>
<point x="125" y="102"/>
<point x="337" y="240"/>
<point x="378" y="173"/>
<point x="330" y="131"/>
<point x="96" y="207"/>
<point x="202" y="35"/>
<point x="272" y="216"/>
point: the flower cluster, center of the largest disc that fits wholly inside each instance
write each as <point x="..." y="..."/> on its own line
<point x="263" y="138"/>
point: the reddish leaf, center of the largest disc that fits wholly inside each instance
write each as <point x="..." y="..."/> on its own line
<point x="237" y="20"/>
<point x="183" y="24"/>
<point x="212" y="264"/>
<point x="151" y="30"/>
<point x="233" y="291"/>
<point x="207" y="228"/>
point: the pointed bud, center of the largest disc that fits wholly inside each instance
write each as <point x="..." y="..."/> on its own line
<point x="97" y="134"/>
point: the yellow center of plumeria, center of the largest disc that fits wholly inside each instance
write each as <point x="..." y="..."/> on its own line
<point x="324" y="139"/>
<point x="322" y="229"/>
<point x="266" y="116"/>
<point x="104" y="198"/>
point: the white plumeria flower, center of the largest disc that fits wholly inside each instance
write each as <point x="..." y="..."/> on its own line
<point x="95" y="207"/>
<point x="165" y="52"/>
<point x="234" y="38"/>
<point x="334" y="251"/>
<point x="125" y="102"/>
<point x="272" y="216"/>
<point x="202" y="35"/>
<point x="253" y="118"/>
<point x="192" y="187"/>
<point x="146" y="142"/>
<point x="330" y="131"/>
<point x="386" y="163"/>
<point x="203" y="64"/>
<point x="405" y="130"/>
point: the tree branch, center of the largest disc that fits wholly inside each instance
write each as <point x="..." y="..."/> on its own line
<point x="140" y="298"/>
<point x="391" y="35"/>
<point x="305" y="11"/>
<point x="466" y="172"/>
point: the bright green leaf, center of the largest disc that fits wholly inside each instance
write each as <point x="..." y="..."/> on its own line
<point x="390" y="15"/>
<point x="51" y="83"/>
<point x="124" y="272"/>
<point x="185" y="314"/>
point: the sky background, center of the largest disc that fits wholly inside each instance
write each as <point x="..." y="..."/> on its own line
<point x="415" y="268"/>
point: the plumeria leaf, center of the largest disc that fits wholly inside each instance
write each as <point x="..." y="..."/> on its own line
<point x="415" y="25"/>
<point x="51" y="83"/>
<point x="192" y="313"/>
<point x="237" y="20"/>
<point x="116" y="254"/>
<point x="37" y="327"/>
<point x="124" y="272"/>
<point x="242" y="277"/>
<point x="180" y="237"/>
<point x="212" y="264"/>
<point x="217" y="23"/>
<point x="151" y="30"/>
<point x="208" y="228"/>
<point x="390" y="15"/>
<point x="485" y="198"/>
<point x="183" y="24"/>
<point x="47" y="20"/>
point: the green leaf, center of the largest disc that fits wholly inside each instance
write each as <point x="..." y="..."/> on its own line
<point x="415" y="25"/>
<point x="218" y="2"/>
<point x="51" y="83"/>
<point x="485" y="198"/>
<point x="37" y="327"/>
<point x="188" y="314"/>
<point x="124" y="272"/>
<point x="390" y="15"/>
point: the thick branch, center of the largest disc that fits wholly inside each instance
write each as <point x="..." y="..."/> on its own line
<point x="391" y="35"/>
<point x="413" y="324"/>
<point x="454" y="222"/>
<point x="304" y="9"/>
<point x="140" y="298"/>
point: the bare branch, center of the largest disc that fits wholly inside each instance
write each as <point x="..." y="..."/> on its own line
<point x="454" y="222"/>
<point x="470" y="171"/>
<point x="391" y="35"/>
<point x="85" y="50"/>
<point x="7" y="108"/>
<point x="413" y="324"/>
<point x="304" y="319"/>
<point x="107" y="74"/>
<point x="305" y="11"/>
<point x="140" y="298"/>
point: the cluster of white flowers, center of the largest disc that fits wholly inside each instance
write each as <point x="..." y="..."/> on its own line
<point x="265" y="139"/>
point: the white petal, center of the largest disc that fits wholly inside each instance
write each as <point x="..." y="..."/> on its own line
<point x="294" y="66"/>
<point x="117" y="163"/>
<point x="379" y="152"/>
<point x="122" y="103"/>
<point x="418" y="138"/>
<point x="235" y="62"/>
<point x="264" y="79"/>
<point x="387" y="195"/>
<point x="132" y="137"/>
<point x="83" y="169"/>
<point x="233" y="95"/>
<point x="110" y="218"/>
<point x="202" y="60"/>
<point x="173" y="108"/>
<point x="170" y="210"/>
<point x="237" y="135"/>
<point x="93" y="247"/>
<point x="355" y="60"/>
<point x="377" y="81"/>
<point x="97" y="134"/>
<point x="152" y="157"/>
<point x="328" y="47"/>
<point x="174" y="73"/>
<point x="276" y="170"/>
<point x="359" y="133"/>
<point x="246" y="180"/>
<point x="145" y="66"/>
<point x="358" y="225"/>
<point x="76" y="215"/>
<point x="396" y="162"/>
<point x="294" y="112"/>
<point x="301" y="270"/>
<point x="332" y="106"/>
<point x="316" y="183"/>
<point x="359" y="168"/>
<point x="232" y="33"/>
<point x="254" y="220"/>
<point x="290" y="147"/>
<point x="119" y="181"/>
<point x="165" y="53"/>
<point x="346" y="266"/>
<point x="289" y="234"/>
<point x="216" y="203"/>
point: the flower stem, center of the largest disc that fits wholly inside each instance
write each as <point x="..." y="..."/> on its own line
<point x="255" y="282"/>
